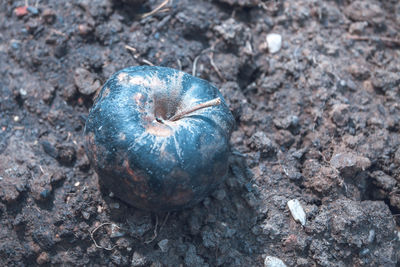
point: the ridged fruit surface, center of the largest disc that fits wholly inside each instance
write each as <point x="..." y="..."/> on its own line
<point x="145" y="157"/>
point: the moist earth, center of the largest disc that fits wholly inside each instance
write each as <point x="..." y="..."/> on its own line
<point x="318" y="121"/>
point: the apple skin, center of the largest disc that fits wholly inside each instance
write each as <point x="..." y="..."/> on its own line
<point x="145" y="159"/>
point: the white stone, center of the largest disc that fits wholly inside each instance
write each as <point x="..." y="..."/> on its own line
<point x="297" y="211"/>
<point x="274" y="42"/>
<point x="163" y="245"/>
<point x="273" y="262"/>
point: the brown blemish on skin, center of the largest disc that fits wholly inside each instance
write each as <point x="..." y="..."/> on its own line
<point x="135" y="177"/>
<point x="159" y="129"/>
<point x="181" y="197"/>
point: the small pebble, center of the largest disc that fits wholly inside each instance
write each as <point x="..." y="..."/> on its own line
<point x="273" y="262"/>
<point x="297" y="211"/>
<point x="371" y="236"/>
<point x="138" y="260"/>
<point x="49" y="16"/>
<point x="364" y="252"/>
<point x="115" y="231"/>
<point x="85" y="215"/>
<point x="99" y="209"/>
<point x="15" y="44"/>
<point x="33" y="10"/>
<point x="23" y="92"/>
<point x="21" y="11"/>
<point x="43" y="258"/>
<point x="163" y="245"/>
<point x="274" y="42"/>
<point x="45" y="193"/>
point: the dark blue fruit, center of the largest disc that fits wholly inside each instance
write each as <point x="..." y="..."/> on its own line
<point x="159" y="138"/>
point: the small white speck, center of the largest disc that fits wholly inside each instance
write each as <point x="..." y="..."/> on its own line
<point x="99" y="209"/>
<point x="274" y="42"/>
<point x="77" y="184"/>
<point x="16" y="118"/>
<point x="297" y="211"/>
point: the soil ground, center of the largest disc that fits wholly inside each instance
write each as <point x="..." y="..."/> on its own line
<point x="317" y="121"/>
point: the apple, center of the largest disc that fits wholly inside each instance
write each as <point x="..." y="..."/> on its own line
<point x="158" y="138"/>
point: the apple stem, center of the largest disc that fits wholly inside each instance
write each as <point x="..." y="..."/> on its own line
<point x="210" y="103"/>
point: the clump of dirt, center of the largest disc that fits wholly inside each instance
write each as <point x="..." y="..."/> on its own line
<point x="317" y="121"/>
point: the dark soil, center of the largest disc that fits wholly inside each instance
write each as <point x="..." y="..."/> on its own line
<point x="318" y="121"/>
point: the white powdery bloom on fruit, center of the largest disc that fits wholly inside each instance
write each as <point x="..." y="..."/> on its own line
<point x="297" y="211"/>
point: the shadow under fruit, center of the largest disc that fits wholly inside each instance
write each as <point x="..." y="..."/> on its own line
<point x="149" y="144"/>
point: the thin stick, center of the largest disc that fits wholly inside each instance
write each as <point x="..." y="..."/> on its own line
<point x="179" y="64"/>
<point x="145" y="15"/>
<point x="197" y="58"/>
<point x="194" y="65"/>
<point x="97" y="228"/>
<point x="136" y="55"/>
<point x="130" y="48"/>
<point x="155" y="233"/>
<point x="165" y="220"/>
<point x="387" y="40"/>
<point x="211" y="56"/>
<point x="211" y="103"/>
<point x="147" y="62"/>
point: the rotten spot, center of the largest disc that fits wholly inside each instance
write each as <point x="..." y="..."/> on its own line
<point x="181" y="197"/>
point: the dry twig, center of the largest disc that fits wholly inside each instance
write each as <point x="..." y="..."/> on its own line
<point x="388" y="41"/>
<point x="155" y="232"/>
<point x="154" y="11"/>
<point x="211" y="56"/>
<point x="97" y="228"/>
<point x="136" y="55"/>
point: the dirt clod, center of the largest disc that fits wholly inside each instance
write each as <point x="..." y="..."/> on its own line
<point x="85" y="81"/>
<point x="349" y="164"/>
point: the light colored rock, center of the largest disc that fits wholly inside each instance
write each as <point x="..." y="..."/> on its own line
<point x="115" y="231"/>
<point x="271" y="261"/>
<point x="297" y="211"/>
<point x="138" y="260"/>
<point x="163" y="245"/>
<point x="274" y="42"/>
